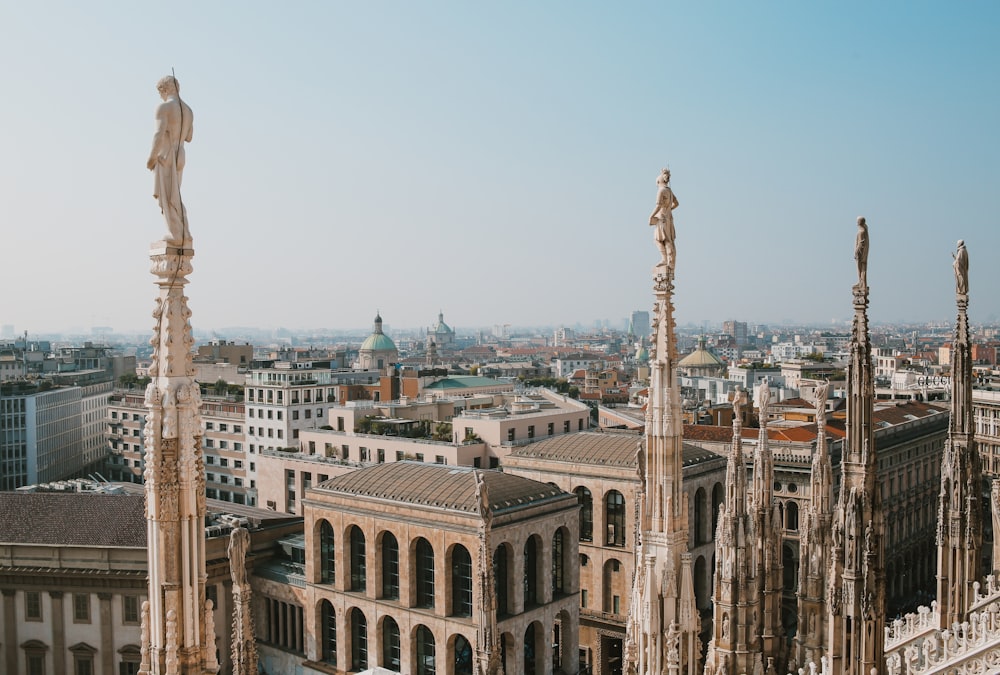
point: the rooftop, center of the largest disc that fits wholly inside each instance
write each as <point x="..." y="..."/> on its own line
<point x="440" y="485"/>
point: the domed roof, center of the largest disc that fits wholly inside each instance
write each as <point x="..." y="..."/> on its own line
<point x="701" y="358"/>
<point x="441" y="326"/>
<point x="378" y="341"/>
<point x="642" y="354"/>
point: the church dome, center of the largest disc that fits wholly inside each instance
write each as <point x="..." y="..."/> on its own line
<point x="701" y="359"/>
<point x="378" y="341"/>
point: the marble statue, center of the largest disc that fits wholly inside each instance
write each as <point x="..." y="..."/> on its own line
<point x="861" y="252"/>
<point x="239" y="542"/>
<point x="174" y="127"/>
<point x="765" y="401"/>
<point x="663" y="218"/>
<point x="961" y="257"/>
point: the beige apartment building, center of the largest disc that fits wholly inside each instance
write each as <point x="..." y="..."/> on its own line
<point x="600" y="469"/>
<point x="228" y="467"/>
<point x="401" y="565"/>
<point x="484" y="428"/>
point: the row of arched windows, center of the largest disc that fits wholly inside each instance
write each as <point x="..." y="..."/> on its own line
<point x="422" y="568"/>
<point x="385" y="647"/>
<point x="459" y="569"/>
<point x="388" y="647"/>
<point x="614" y="516"/>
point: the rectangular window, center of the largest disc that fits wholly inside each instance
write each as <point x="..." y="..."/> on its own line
<point x="36" y="664"/>
<point x="566" y="427"/>
<point x="295" y="415"/>
<point x="381" y="455"/>
<point x="81" y="608"/>
<point x="616" y="602"/>
<point x="209" y="459"/>
<point x="439" y="459"/>
<point x="309" y="414"/>
<point x="531" y="431"/>
<point x="552" y="428"/>
<point x="399" y="455"/>
<point x="420" y="456"/>
<point x="510" y="434"/>
<point x="237" y="429"/>
<point x="253" y="466"/>
<point x="583" y="597"/>
<point x="210" y="425"/>
<point x="33" y="605"/>
<point x="238" y="464"/>
<point x="130" y="609"/>
<point x="223" y="462"/>
<point x="223" y="426"/>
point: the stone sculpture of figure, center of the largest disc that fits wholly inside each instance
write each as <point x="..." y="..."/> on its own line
<point x="861" y="252"/>
<point x="174" y="127"/>
<point x="663" y="218"/>
<point x="765" y="401"/>
<point x="961" y="257"/>
<point x="483" y="498"/>
<point x="640" y="461"/>
<point x="239" y="542"/>
<point x="738" y="400"/>
<point x="822" y="393"/>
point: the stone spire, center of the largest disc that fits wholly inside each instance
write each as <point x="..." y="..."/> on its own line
<point x="960" y="525"/>
<point x="244" y="641"/>
<point x="488" y="635"/>
<point x="766" y="545"/>
<point x="735" y="646"/>
<point x="178" y="634"/>
<point x="856" y="579"/>
<point x="814" y="543"/>
<point x="663" y="636"/>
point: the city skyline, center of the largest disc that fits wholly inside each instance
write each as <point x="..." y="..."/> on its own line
<point x="341" y="156"/>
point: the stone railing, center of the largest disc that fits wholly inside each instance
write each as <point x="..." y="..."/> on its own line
<point x="916" y="624"/>
<point x="983" y="600"/>
<point x="970" y="647"/>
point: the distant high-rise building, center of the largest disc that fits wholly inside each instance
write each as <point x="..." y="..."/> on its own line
<point x="737" y="329"/>
<point x="639" y="324"/>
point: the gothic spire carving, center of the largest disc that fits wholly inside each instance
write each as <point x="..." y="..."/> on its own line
<point x="735" y="646"/>
<point x="664" y="634"/>
<point x="960" y="526"/>
<point x="177" y="630"/>
<point x="856" y="590"/>
<point x="767" y="539"/>
<point x="815" y="542"/>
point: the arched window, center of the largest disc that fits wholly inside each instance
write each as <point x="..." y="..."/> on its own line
<point x="529" y="651"/>
<point x="358" y="560"/>
<point x="390" y="567"/>
<point x="586" y="501"/>
<point x="463" y="656"/>
<point x="359" y="640"/>
<point x="425" y="651"/>
<point x="461" y="581"/>
<point x="390" y="644"/>
<point x="326" y="555"/>
<point x="530" y="572"/>
<point x="500" y="579"/>
<point x="425" y="573"/>
<point x="614" y="510"/>
<point x="558" y="578"/>
<point x="792" y="516"/>
<point x="700" y="508"/>
<point x="328" y="626"/>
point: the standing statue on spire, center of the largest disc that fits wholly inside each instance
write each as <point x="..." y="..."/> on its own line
<point x="861" y="252"/>
<point x="663" y="218"/>
<point x="961" y="257"/>
<point x="174" y="127"/>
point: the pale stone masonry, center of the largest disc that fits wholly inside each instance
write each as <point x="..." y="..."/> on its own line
<point x="397" y="574"/>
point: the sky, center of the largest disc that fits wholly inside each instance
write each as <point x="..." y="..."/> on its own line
<point x="497" y="161"/>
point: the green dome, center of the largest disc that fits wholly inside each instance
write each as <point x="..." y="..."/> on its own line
<point x="378" y="342"/>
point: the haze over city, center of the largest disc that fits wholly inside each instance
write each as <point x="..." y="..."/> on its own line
<point x="498" y="162"/>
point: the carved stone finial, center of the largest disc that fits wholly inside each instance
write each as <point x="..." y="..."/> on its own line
<point x="662" y="219"/>
<point x="961" y="265"/>
<point x="861" y="252"/>
<point x="174" y="127"/>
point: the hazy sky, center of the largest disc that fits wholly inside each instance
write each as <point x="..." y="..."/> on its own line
<point x="498" y="160"/>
